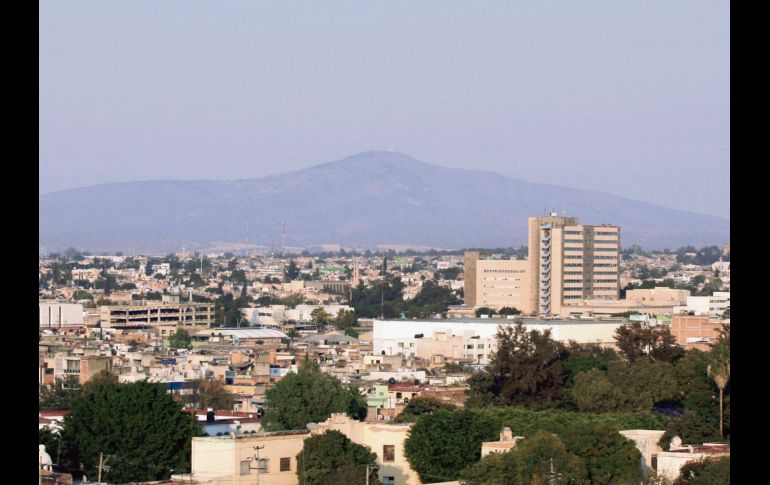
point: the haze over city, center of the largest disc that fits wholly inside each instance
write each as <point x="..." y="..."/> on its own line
<point x="555" y="92"/>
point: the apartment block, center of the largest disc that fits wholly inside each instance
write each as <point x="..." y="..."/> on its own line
<point x="84" y="367"/>
<point x="572" y="262"/>
<point x="165" y="316"/>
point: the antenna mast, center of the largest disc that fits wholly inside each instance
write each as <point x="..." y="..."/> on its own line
<point x="283" y="238"/>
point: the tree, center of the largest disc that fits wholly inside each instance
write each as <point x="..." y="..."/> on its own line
<point x="347" y="322"/>
<point x="292" y="334"/>
<point x="609" y="457"/>
<point x="138" y="426"/>
<point x="332" y="457"/>
<point x="180" y="340"/>
<point x="485" y="311"/>
<point x="421" y="406"/>
<point x="292" y="271"/>
<point x="526" y="370"/>
<point x="509" y="310"/>
<point x="308" y="396"/>
<point x="320" y="317"/>
<point x="61" y="394"/>
<point x="445" y="442"/>
<point x="634" y="340"/>
<point x="625" y="387"/>
<point x="705" y="472"/>
<point x="431" y="299"/>
<point x="719" y="370"/>
<point x="102" y="376"/>
<point x="529" y="463"/>
<point x="212" y="394"/>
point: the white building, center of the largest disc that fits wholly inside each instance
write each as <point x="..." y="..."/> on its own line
<point x="57" y="315"/>
<point x="475" y="338"/>
<point x="714" y="305"/>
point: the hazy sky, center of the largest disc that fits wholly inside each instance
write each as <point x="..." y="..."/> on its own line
<point x="627" y="97"/>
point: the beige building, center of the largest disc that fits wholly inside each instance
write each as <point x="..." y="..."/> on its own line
<point x="84" y="367"/>
<point x="272" y="457"/>
<point x="567" y="264"/>
<point x="497" y="283"/>
<point x="386" y="440"/>
<point x="571" y="262"/>
<point x="248" y="459"/>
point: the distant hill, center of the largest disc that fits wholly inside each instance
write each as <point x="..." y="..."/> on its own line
<point x="368" y="199"/>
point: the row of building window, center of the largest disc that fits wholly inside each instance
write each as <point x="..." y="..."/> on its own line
<point x="606" y="249"/>
<point x="504" y="271"/>
<point x="605" y="233"/>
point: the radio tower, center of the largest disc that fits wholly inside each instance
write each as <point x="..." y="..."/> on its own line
<point x="283" y="237"/>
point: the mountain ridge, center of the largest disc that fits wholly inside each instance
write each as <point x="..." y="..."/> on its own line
<point x="368" y="198"/>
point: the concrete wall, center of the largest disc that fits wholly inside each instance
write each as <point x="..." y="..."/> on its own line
<point x="221" y="458"/>
<point x="376" y="436"/>
<point x="60" y="314"/>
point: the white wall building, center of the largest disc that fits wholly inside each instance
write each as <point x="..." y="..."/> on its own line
<point x="474" y="338"/>
<point x="56" y="315"/>
<point x="714" y="305"/>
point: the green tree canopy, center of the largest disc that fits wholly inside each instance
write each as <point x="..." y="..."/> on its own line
<point x="443" y="443"/>
<point x="609" y="457"/>
<point x="61" y="394"/>
<point x="180" y="339"/>
<point x="347" y="322"/>
<point x="309" y="396"/>
<point x="526" y="370"/>
<point x="331" y="458"/>
<point x="421" y="406"/>
<point x="292" y="271"/>
<point x="485" y="311"/>
<point x="636" y="340"/>
<point x="706" y="472"/>
<point x="141" y="430"/>
<point x="446" y="441"/>
<point x="212" y="394"/>
<point x="529" y="463"/>
<point x="625" y="386"/>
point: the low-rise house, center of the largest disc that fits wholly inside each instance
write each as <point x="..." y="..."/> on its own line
<point x="670" y="463"/>
<point x="237" y="460"/>
<point x="385" y="440"/>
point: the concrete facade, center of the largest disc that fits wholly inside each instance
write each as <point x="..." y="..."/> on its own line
<point x="386" y="440"/>
<point x="475" y="338"/>
<point x="235" y="461"/>
<point x="695" y="331"/>
<point x="57" y="315"/>
<point x="165" y="316"/>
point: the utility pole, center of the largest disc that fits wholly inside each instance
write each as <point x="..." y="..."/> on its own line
<point x="373" y="468"/>
<point x="101" y="464"/>
<point x="256" y="458"/>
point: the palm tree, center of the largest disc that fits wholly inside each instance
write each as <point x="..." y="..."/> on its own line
<point x="719" y="370"/>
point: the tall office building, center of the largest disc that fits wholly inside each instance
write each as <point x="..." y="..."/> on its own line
<point x="569" y="262"/>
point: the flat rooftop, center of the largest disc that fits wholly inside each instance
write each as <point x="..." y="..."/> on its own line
<point x="505" y="321"/>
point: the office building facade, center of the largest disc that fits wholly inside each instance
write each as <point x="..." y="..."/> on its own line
<point x="570" y="263"/>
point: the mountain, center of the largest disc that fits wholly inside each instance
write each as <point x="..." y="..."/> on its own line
<point x="368" y="199"/>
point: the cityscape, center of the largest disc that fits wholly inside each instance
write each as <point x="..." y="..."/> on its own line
<point x="545" y="302"/>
